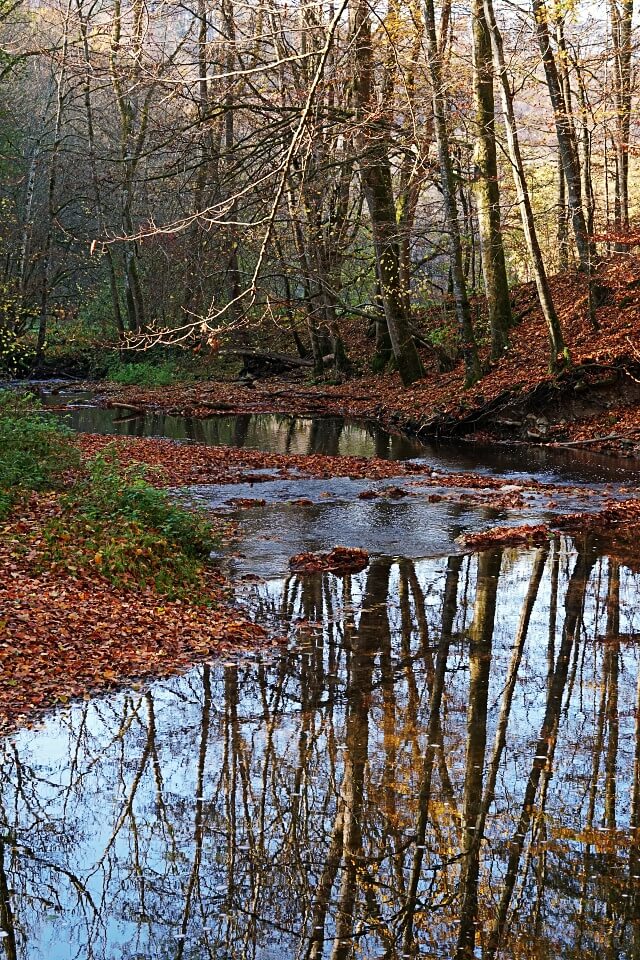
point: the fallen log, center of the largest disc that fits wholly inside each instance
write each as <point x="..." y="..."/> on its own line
<point x="579" y="443"/>
<point x="267" y="358"/>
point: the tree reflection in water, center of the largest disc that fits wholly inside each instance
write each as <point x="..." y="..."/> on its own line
<point x="446" y="762"/>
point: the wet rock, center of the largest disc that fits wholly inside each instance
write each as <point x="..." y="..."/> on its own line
<point x="340" y="560"/>
<point x="537" y="426"/>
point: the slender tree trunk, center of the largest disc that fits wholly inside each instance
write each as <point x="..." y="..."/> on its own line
<point x="233" y="267"/>
<point x="126" y="89"/>
<point x="487" y="191"/>
<point x="463" y="311"/>
<point x="562" y="232"/>
<point x="565" y="134"/>
<point x="621" y="24"/>
<point x="51" y="192"/>
<point x="588" y="195"/>
<point x="27" y="226"/>
<point x="556" y="339"/>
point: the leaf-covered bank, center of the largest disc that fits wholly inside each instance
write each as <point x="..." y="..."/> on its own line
<point x="594" y="403"/>
<point x="103" y="579"/>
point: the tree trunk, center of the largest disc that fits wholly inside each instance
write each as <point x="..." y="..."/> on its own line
<point x="463" y="311"/>
<point x="565" y="133"/>
<point x="51" y="193"/>
<point x="113" y="282"/>
<point x="621" y="21"/>
<point x="378" y="189"/>
<point x="487" y="192"/>
<point x="556" y="340"/>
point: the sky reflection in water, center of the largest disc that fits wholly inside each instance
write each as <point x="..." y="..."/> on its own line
<point x="326" y="800"/>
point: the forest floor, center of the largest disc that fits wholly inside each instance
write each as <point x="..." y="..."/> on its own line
<point x="595" y="403"/>
<point x="67" y="632"/>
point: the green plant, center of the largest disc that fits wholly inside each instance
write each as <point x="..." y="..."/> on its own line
<point x="16" y="354"/>
<point x="34" y="451"/>
<point x="144" y="373"/>
<point x="114" y="521"/>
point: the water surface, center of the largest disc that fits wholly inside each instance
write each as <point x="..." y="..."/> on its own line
<point x="323" y="801"/>
<point x="340" y="436"/>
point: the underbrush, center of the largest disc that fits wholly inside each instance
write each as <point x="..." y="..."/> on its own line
<point x="144" y="373"/>
<point x="109" y="520"/>
<point x="34" y="452"/>
<point x="114" y="522"/>
<point x="162" y="368"/>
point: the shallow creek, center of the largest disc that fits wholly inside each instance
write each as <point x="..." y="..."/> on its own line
<point x="442" y="759"/>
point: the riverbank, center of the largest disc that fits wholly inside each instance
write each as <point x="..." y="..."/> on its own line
<point x="69" y="633"/>
<point x="594" y="404"/>
<point x="103" y="578"/>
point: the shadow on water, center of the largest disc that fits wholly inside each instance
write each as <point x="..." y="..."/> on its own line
<point x="269" y="432"/>
<point x="444" y="762"/>
<point x="338" y="436"/>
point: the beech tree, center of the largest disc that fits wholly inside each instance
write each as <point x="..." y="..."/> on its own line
<point x="227" y="174"/>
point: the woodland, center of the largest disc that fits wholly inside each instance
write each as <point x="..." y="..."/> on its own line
<point x="319" y="463"/>
<point x="293" y="179"/>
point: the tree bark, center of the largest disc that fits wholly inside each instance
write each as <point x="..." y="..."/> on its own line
<point x="463" y="311"/>
<point x="556" y="339"/>
<point x="487" y="192"/>
<point x="565" y="133"/>
<point x="378" y="189"/>
<point x="621" y="22"/>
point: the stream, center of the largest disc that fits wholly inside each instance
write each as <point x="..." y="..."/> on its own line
<point x="327" y="799"/>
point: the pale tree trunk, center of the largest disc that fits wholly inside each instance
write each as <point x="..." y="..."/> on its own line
<point x="51" y="191"/>
<point x="487" y="192"/>
<point x="28" y="221"/>
<point x="556" y="340"/>
<point x="562" y="231"/>
<point x="378" y="189"/>
<point x="621" y="22"/>
<point x="463" y="310"/>
<point x="588" y="195"/>
<point x="113" y="283"/>
<point x="563" y="208"/>
<point x="565" y="133"/>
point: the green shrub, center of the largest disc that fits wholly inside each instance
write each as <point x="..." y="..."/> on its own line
<point x="16" y="354"/>
<point x="133" y="534"/>
<point x="34" y="451"/>
<point x="144" y="373"/>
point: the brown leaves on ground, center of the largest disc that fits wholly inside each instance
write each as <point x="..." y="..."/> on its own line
<point x="527" y="535"/>
<point x="340" y="560"/>
<point x="65" y="634"/>
<point x="174" y="464"/>
<point x="617" y="528"/>
<point x="440" y="399"/>
<point x="181" y="463"/>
